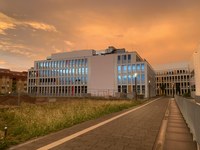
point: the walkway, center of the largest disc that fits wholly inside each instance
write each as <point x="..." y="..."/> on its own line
<point x="136" y="130"/>
<point x="178" y="135"/>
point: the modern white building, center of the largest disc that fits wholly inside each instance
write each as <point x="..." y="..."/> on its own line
<point x="173" y="79"/>
<point x="88" y="72"/>
<point x="195" y="71"/>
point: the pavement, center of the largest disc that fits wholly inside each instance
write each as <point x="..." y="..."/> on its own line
<point x="178" y="136"/>
<point x="135" y="130"/>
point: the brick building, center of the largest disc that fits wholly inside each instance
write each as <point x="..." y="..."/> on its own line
<point x="12" y="81"/>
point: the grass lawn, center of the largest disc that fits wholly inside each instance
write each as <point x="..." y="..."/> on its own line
<point x="30" y="120"/>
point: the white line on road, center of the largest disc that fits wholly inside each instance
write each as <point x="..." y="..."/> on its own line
<point x="70" y="137"/>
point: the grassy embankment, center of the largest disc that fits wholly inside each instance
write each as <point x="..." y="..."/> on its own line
<point x="30" y="120"/>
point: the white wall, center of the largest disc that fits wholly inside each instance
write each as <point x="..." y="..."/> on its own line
<point x="101" y="79"/>
<point x="197" y="71"/>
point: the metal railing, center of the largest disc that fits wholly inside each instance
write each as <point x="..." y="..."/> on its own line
<point x="191" y="113"/>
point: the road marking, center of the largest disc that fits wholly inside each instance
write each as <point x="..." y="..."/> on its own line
<point x="70" y="137"/>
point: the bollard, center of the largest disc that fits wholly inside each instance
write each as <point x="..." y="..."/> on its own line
<point x="5" y="131"/>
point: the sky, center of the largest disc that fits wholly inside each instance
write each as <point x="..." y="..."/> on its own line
<point x="161" y="31"/>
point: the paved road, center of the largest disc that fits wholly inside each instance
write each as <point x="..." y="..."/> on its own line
<point x="136" y="130"/>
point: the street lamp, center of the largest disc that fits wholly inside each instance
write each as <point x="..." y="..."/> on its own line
<point x="149" y="88"/>
<point x="135" y="75"/>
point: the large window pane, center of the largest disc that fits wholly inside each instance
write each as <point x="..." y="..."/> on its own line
<point x="119" y="79"/>
<point x="124" y="68"/>
<point x="119" y="69"/>
<point x="138" y="67"/>
<point x="134" y="67"/>
<point x="129" y="68"/>
<point x="142" y="66"/>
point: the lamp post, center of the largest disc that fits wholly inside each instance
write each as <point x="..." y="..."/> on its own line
<point x="149" y="88"/>
<point x="135" y="86"/>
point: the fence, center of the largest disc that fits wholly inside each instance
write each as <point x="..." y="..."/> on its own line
<point x="191" y="112"/>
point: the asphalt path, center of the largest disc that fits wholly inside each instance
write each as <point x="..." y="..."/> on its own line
<point x="136" y="128"/>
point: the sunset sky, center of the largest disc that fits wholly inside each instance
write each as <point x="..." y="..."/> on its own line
<point x="161" y="31"/>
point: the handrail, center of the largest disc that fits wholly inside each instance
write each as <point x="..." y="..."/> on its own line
<point x="191" y="113"/>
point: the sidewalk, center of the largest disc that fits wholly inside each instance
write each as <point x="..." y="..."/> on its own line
<point x="178" y="136"/>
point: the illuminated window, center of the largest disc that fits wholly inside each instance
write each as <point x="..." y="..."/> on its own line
<point x="129" y="79"/>
<point x="119" y="69"/>
<point x="86" y="70"/>
<point x="129" y="68"/>
<point x="142" y="67"/>
<point x="119" y="79"/>
<point x="124" y="69"/>
<point x="138" y="67"/>
<point x="79" y="70"/>
<point x="133" y="67"/>
<point x="124" y="80"/>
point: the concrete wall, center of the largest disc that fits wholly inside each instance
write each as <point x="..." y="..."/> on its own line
<point x="101" y="77"/>
<point x="197" y="71"/>
<point x="191" y="111"/>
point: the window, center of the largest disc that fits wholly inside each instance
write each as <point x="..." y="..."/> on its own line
<point x="82" y="70"/>
<point x="86" y="70"/>
<point x="79" y="62"/>
<point x="142" y="67"/>
<point x="124" y="69"/>
<point x="118" y="59"/>
<point x="133" y="67"/>
<point x="124" y="59"/>
<point x="86" y="62"/>
<point x="79" y="71"/>
<point x="129" y="79"/>
<point x="133" y="79"/>
<point x="129" y="68"/>
<point x="138" y="78"/>
<point x="119" y="88"/>
<point x="124" y="81"/>
<point x="119" y="69"/>
<point x="119" y="79"/>
<point x="138" y="67"/>
<point x="143" y="78"/>
<point x="129" y="58"/>
<point x="73" y="71"/>
<point x="76" y="62"/>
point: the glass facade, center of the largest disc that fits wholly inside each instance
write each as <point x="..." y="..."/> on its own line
<point x="59" y="77"/>
<point x="126" y="75"/>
